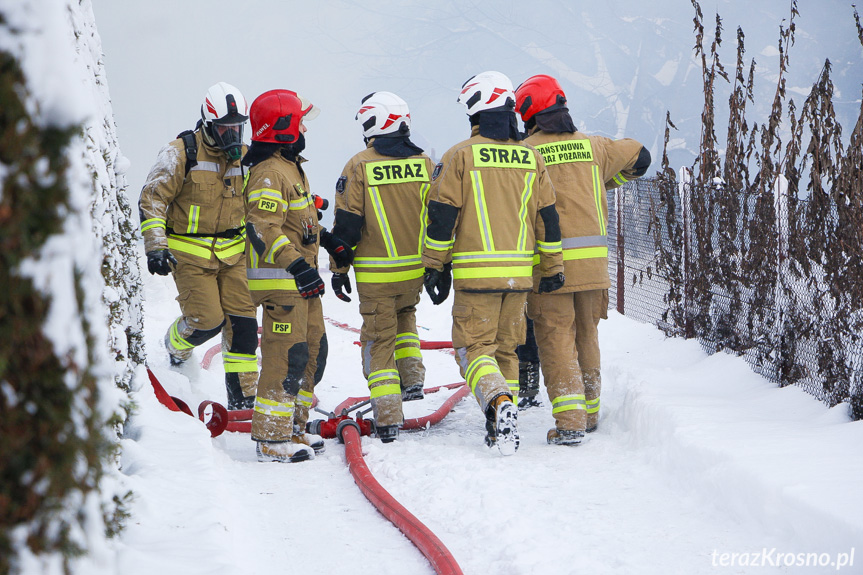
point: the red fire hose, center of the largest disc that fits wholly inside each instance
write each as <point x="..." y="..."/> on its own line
<point x="429" y="545"/>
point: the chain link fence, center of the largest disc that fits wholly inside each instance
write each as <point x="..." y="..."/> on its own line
<point x="744" y="274"/>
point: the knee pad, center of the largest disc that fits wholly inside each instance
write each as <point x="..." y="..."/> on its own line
<point x="245" y="334"/>
<point x="200" y="336"/>
<point x="298" y="358"/>
<point x="323" y="352"/>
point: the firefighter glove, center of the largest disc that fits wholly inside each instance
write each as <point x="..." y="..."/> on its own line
<point x="340" y="281"/>
<point x="161" y="262"/>
<point x="551" y="283"/>
<point x="309" y="283"/>
<point x="438" y="283"/>
<point x="338" y="248"/>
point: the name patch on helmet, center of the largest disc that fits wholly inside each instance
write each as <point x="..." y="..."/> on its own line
<point x="340" y="184"/>
<point x="566" y="151"/>
<point x="437" y="171"/>
<point x="396" y="172"/>
<point x="502" y="156"/>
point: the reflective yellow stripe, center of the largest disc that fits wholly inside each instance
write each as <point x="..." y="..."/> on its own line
<point x="278" y="284"/>
<point x="268" y="194"/>
<point x="522" y="214"/>
<point x="482" y="365"/>
<point x="383" y="375"/>
<point x="567" y="403"/>
<point x="388" y="277"/>
<point x="492" y="272"/>
<point x="592" y="405"/>
<point x="424" y="190"/>
<point x="186" y="247"/>
<point x="462" y="258"/>
<point x="513" y="390"/>
<point x="302" y="203"/>
<point x="482" y="211"/>
<point x="304" y="398"/>
<point x="176" y="339"/>
<point x="389" y="389"/>
<point x="597" y="194"/>
<point x="408" y="352"/>
<point x="549" y="247"/>
<point x="153" y="223"/>
<point x="619" y="179"/>
<point x="274" y="408"/>
<point x="373" y="262"/>
<point x="438" y="246"/>
<point x="271" y="253"/>
<point x="240" y="362"/>
<point x="194" y="216"/>
<point x="381" y="215"/>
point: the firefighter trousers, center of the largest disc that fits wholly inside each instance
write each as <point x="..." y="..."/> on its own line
<point x="390" y="352"/>
<point x="566" y="326"/>
<point x="486" y="329"/>
<point x="316" y="336"/>
<point x="284" y="363"/>
<point x="210" y="300"/>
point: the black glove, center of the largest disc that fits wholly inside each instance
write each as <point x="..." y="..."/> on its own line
<point x="340" y="281"/>
<point x="338" y="248"/>
<point x="309" y="283"/>
<point x="551" y="283"/>
<point x="440" y="281"/>
<point x="161" y="262"/>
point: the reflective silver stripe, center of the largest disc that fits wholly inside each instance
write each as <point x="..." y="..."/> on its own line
<point x="206" y="167"/>
<point x="400" y="261"/>
<point x="584" y="242"/>
<point x="268" y="274"/>
<point x="233" y="172"/>
<point x="526" y="256"/>
<point x="384" y="224"/>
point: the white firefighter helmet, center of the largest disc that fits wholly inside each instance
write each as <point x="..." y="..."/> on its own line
<point x="223" y="114"/>
<point x="383" y="113"/>
<point x="487" y="91"/>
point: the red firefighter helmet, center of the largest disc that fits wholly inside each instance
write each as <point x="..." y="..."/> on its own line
<point x="536" y="94"/>
<point x="276" y="116"/>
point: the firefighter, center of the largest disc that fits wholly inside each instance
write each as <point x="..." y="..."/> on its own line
<point x="493" y="192"/>
<point x="582" y="168"/>
<point x="283" y="236"/>
<point x="192" y="221"/>
<point x="380" y="209"/>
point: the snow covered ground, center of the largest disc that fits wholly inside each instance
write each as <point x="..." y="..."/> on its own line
<point x="698" y="466"/>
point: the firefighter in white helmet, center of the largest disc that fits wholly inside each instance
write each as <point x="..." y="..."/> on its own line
<point x="192" y="213"/>
<point x="380" y="211"/>
<point x="582" y="168"/>
<point x="491" y="206"/>
<point x="284" y="236"/>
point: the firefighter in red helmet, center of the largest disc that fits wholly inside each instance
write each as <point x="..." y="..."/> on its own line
<point x="283" y="236"/>
<point x="581" y="168"/>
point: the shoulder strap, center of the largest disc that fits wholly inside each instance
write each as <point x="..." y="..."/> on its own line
<point x="191" y="144"/>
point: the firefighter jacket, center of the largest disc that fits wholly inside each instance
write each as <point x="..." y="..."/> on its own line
<point x="497" y="198"/>
<point x="582" y="168"/>
<point x="198" y="216"/>
<point x="282" y="224"/>
<point x="380" y="209"/>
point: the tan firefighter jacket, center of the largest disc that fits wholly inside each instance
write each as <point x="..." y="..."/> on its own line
<point x="582" y="168"/>
<point x="280" y="207"/>
<point x="498" y="188"/>
<point x="198" y="217"/>
<point x="390" y="195"/>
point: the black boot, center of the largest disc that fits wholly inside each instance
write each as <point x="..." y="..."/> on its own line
<point x="528" y="385"/>
<point x="236" y="399"/>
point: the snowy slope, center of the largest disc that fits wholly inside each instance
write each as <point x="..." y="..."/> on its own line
<point x="695" y="455"/>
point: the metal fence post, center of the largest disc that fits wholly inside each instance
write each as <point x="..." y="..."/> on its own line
<point x="621" y="280"/>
